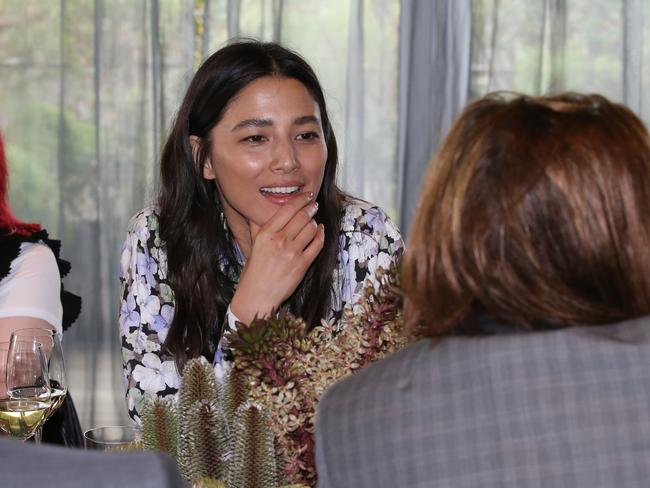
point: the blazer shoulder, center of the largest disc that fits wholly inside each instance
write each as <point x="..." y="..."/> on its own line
<point x="383" y="378"/>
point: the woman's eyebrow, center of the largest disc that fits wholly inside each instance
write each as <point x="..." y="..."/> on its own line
<point x="252" y="123"/>
<point x="302" y="120"/>
<point x="306" y="119"/>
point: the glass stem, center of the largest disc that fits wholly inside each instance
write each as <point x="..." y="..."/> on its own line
<point x="38" y="435"/>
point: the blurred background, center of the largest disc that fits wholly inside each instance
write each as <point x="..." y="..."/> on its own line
<point x="88" y="91"/>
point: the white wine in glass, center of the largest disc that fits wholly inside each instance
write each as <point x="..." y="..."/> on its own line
<point x="56" y="397"/>
<point x="28" y="388"/>
<point x="20" y="418"/>
<point x="51" y="342"/>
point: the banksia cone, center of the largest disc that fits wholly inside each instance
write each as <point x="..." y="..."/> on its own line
<point x="199" y="383"/>
<point x="234" y="393"/>
<point x="206" y="442"/>
<point x="253" y="463"/>
<point x="159" y="426"/>
<point x="208" y="483"/>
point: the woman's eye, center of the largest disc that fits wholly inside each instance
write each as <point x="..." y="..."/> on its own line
<point x="256" y="138"/>
<point x="308" y="136"/>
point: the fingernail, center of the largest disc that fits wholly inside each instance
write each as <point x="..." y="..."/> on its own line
<point x="313" y="209"/>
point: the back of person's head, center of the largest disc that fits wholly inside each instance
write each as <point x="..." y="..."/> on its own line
<point x="535" y="211"/>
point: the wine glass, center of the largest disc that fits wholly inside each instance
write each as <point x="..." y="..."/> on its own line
<point x="51" y="342"/>
<point x="28" y="388"/>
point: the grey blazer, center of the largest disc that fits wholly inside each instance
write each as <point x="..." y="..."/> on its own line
<point x="567" y="408"/>
<point x="30" y="466"/>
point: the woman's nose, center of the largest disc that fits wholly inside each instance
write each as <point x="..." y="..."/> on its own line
<point x="284" y="157"/>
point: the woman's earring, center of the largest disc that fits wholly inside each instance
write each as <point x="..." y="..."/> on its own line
<point x="222" y="217"/>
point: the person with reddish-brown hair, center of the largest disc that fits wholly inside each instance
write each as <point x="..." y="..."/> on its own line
<point x="528" y="271"/>
<point x="9" y="224"/>
<point x="31" y="294"/>
<point x="537" y="212"/>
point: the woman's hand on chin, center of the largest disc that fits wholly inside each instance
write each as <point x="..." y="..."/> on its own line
<point x="283" y="249"/>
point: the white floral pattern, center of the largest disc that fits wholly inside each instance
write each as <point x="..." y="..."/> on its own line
<point x="367" y="239"/>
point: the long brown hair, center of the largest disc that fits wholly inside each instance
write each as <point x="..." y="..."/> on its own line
<point x="535" y="211"/>
<point x="191" y="223"/>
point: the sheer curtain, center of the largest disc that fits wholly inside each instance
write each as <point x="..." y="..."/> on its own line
<point x="543" y="46"/>
<point x="88" y="90"/>
<point x="455" y="51"/>
<point x="434" y="79"/>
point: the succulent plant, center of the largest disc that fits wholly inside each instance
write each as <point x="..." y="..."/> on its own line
<point x="290" y="367"/>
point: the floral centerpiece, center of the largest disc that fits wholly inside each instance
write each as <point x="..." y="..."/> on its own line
<point x="257" y="428"/>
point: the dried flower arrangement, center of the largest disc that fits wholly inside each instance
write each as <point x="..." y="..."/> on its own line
<point x="289" y="368"/>
<point x="257" y="428"/>
<point x="212" y="448"/>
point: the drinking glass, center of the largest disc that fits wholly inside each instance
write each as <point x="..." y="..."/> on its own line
<point x="110" y="438"/>
<point x="51" y="342"/>
<point x="27" y="387"/>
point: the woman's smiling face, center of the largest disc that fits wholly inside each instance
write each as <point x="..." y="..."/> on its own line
<point x="267" y="148"/>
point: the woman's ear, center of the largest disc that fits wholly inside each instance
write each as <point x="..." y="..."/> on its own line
<point x="208" y="172"/>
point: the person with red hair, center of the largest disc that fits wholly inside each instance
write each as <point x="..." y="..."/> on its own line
<point x="8" y="222"/>
<point x="32" y="295"/>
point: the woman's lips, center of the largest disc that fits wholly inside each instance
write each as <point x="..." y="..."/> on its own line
<point x="279" y="195"/>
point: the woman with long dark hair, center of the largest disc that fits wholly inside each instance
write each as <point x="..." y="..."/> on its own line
<point x="249" y="219"/>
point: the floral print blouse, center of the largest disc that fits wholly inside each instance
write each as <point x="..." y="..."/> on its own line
<point x="367" y="240"/>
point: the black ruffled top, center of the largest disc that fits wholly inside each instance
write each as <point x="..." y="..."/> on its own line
<point x="9" y="250"/>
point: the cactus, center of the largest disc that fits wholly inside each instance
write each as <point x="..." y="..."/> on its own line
<point x="159" y="426"/>
<point x="253" y="464"/>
